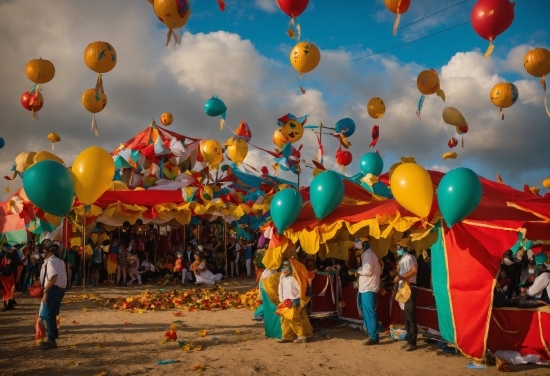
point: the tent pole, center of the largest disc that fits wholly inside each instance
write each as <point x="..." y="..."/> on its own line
<point x="83" y="274"/>
<point x="225" y="247"/>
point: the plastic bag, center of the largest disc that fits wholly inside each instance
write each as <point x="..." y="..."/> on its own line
<point x="404" y="293"/>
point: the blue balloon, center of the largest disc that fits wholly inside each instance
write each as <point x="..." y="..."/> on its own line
<point x="459" y="194"/>
<point x="49" y="185"/>
<point x="326" y="193"/>
<point x="214" y="106"/>
<point x="371" y="163"/>
<point x="2" y="143"/>
<point x="345" y="126"/>
<point x="285" y="208"/>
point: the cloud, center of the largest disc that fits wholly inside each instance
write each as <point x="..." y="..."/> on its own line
<point x="266" y="5"/>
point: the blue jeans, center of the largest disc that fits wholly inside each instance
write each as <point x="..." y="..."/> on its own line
<point x="51" y="310"/>
<point x="29" y="272"/>
<point x="370" y="319"/>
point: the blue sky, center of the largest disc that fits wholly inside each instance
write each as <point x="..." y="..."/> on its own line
<point x="242" y="55"/>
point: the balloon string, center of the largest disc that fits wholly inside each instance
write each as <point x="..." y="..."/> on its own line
<point x="489" y="50"/>
<point x="433" y="14"/>
<point x="396" y="24"/>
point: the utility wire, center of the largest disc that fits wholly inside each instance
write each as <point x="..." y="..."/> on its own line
<point x="412" y="41"/>
<point x="433" y="14"/>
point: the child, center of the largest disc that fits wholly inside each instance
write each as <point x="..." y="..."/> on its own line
<point x="202" y="274"/>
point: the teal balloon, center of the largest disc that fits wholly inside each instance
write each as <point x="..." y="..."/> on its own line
<point x="371" y="163"/>
<point x="326" y="193"/>
<point x="379" y="189"/>
<point x="285" y="208"/>
<point x="49" y="185"/>
<point x="345" y="126"/>
<point x="2" y="142"/>
<point x="458" y="194"/>
<point x="214" y="106"/>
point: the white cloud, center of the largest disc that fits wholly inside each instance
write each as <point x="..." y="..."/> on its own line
<point x="266" y="5"/>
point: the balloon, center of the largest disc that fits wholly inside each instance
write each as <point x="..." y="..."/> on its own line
<point x="398" y="7"/>
<point x="48" y="184"/>
<point x="305" y="57"/>
<point x="504" y="95"/>
<point x="100" y="56"/>
<point x="345" y="126"/>
<point x="172" y="13"/>
<point x="293" y="8"/>
<point x="237" y="149"/>
<point x="343" y="157"/>
<point x="462" y="129"/>
<point x="376" y="108"/>
<point x="166" y="118"/>
<point x="45" y="156"/>
<point x="24" y="161"/>
<point x="93" y="171"/>
<point x="40" y="71"/>
<point x="279" y="138"/>
<point x="243" y="130"/>
<point x="450" y="155"/>
<point x="427" y="82"/>
<point x="292" y="130"/>
<point x="452" y="116"/>
<point x="458" y="194"/>
<point x="211" y="152"/>
<point x="326" y="193"/>
<point x="537" y="62"/>
<point x="546" y="183"/>
<point x="371" y="163"/>
<point x="285" y="208"/>
<point x="30" y="103"/>
<point x="93" y="101"/>
<point x="2" y="143"/>
<point x="378" y="188"/>
<point x="491" y="18"/>
<point x="452" y="143"/>
<point x="214" y="107"/>
<point x="411" y="186"/>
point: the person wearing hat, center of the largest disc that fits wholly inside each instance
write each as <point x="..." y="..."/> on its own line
<point x="53" y="278"/>
<point x="293" y="298"/>
<point x="541" y="285"/>
<point x="369" y="284"/>
<point x="8" y="268"/>
<point x="406" y="273"/>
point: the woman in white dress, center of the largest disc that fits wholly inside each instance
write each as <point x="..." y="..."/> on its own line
<point x="202" y="274"/>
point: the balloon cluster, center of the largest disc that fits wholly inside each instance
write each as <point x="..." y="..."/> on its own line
<point x="101" y="58"/>
<point x="39" y="71"/>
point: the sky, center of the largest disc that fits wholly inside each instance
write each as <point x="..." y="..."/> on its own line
<point x="242" y="55"/>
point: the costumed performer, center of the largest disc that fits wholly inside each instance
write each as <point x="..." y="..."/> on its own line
<point x="293" y="300"/>
<point x="8" y="268"/>
<point x="259" y="313"/>
<point x="406" y="273"/>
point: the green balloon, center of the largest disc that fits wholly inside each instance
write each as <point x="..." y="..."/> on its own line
<point x="326" y="193"/>
<point x="285" y="208"/>
<point x="459" y="194"/>
<point x="49" y="185"/>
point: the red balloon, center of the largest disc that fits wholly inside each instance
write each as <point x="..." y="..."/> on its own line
<point x="25" y="98"/>
<point x="293" y="8"/>
<point x="343" y="157"/>
<point x="491" y="18"/>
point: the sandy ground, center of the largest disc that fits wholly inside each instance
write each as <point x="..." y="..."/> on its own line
<point x="101" y="341"/>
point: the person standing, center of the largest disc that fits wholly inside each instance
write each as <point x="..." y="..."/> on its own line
<point x="369" y="284"/>
<point x="97" y="264"/>
<point x="53" y="278"/>
<point x="407" y="270"/>
<point x="8" y="269"/>
<point x="247" y="255"/>
<point x="231" y="249"/>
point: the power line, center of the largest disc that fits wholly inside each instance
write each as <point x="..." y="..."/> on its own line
<point x="433" y="14"/>
<point x="412" y="41"/>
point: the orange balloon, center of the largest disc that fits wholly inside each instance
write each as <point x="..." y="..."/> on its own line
<point x="537" y="62"/>
<point x="428" y="82"/>
<point x="397" y="6"/>
<point x="279" y="138"/>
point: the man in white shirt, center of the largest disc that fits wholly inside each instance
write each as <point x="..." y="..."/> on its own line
<point x="407" y="271"/>
<point x="292" y="295"/>
<point x="369" y="285"/>
<point x="53" y="278"/>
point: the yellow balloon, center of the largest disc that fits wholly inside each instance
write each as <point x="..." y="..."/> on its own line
<point x="546" y="183"/>
<point x="46" y="155"/>
<point x="24" y="160"/>
<point x="376" y="108"/>
<point x="279" y="138"/>
<point x="293" y="130"/>
<point x="450" y="155"/>
<point x="305" y="57"/>
<point x="237" y="149"/>
<point x="92" y="171"/>
<point x="211" y="151"/>
<point x="412" y="187"/>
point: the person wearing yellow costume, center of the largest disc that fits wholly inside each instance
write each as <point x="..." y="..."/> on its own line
<point x="293" y="299"/>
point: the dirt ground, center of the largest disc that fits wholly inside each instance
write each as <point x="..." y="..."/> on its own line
<point x="102" y="341"/>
